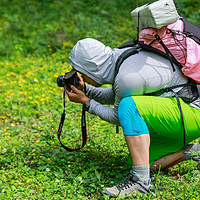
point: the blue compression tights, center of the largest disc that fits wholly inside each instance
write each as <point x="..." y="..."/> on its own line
<point x="130" y="119"/>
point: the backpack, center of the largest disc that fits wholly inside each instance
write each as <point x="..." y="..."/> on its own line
<point x="178" y="41"/>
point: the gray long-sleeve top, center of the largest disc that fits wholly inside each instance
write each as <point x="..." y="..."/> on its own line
<point x="139" y="74"/>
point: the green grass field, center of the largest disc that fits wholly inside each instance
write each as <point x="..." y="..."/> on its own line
<point x="36" y="37"/>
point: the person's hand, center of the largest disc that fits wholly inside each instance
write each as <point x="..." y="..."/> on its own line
<point x="81" y="82"/>
<point x="76" y="95"/>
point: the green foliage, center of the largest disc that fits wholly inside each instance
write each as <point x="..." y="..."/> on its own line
<point x="36" y="37"/>
<point x="189" y="9"/>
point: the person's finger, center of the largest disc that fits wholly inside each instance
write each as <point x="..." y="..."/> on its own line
<point x="67" y="92"/>
<point x="74" y="89"/>
<point x="80" y="78"/>
<point x="81" y="82"/>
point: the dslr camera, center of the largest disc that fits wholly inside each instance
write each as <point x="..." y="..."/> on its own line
<point x="70" y="78"/>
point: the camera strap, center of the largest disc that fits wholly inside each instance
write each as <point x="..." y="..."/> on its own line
<point x="83" y="128"/>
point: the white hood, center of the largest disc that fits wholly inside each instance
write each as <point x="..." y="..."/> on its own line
<point x="94" y="59"/>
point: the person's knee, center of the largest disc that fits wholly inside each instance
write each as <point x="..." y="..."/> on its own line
<point x="130" y="119"/>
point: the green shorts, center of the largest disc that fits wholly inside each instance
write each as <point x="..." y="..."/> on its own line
<point x="163" y="120"/>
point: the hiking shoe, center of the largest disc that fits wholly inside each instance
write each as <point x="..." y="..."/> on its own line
<point x="131" y="186"/>
<point x="196" y="155"/>
<point x="197" y="158"/>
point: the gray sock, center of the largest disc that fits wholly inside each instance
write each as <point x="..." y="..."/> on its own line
<point x="143" y="172"/>
<point x="191" y="150"/>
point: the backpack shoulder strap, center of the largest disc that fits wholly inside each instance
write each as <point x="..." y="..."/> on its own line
<point x="129" y="43"/>
<point x="123" y="57"/>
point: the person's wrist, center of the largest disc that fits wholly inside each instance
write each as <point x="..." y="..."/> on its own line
<point x="84" y="100"/>
<point x="86" y="105"/>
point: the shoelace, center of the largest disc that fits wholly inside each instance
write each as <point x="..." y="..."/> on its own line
<point x="126" y="183"/>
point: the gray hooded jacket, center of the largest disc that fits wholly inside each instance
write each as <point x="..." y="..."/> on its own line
<point x="139" y="74"/>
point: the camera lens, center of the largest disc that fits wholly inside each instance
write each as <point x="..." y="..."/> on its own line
<point x="60" y="81"/>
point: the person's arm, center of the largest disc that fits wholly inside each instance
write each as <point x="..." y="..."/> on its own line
<point x="101" y="95"/>
<point x="104" y="112"/>
<point x="104" y="96"/>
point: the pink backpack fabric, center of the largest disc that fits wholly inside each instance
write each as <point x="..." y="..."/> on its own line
<point x="184" y="49"/>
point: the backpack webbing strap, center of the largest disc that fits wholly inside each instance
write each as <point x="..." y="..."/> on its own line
<point x="167" y="51"/>
<point x="157" y="51"/>
<point x="182" y="119"/>
<point x="179" y="107"/>
<point x="198" y="88"/>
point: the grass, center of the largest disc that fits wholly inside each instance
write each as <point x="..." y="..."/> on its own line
<point x="35" y="41"/>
